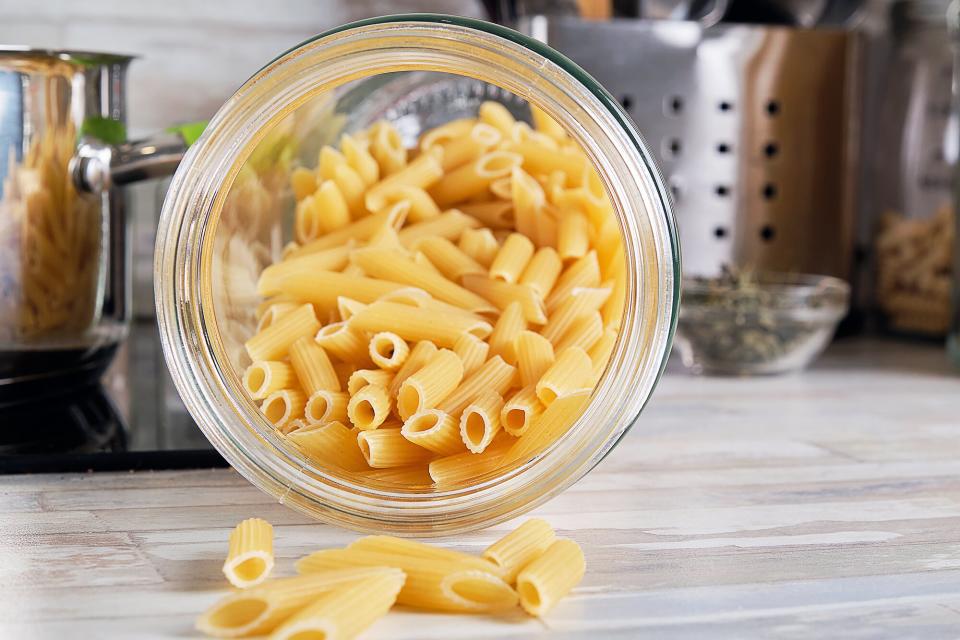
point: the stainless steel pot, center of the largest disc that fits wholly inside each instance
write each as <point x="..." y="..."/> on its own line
<point x="64" y="289"/>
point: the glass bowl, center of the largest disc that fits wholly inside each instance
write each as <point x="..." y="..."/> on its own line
<point x="229" y="213"/>
<point x="758" y="324"/>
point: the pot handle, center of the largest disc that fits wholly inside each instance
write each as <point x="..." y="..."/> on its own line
<point x="98" y="166"/>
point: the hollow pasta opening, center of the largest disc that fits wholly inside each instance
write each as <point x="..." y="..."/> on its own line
<point x="365" y="412"/>
<point x="482" y="591"/>
<point x="476" y="428"/>
<point x="408" y="400"/>
<point x="547" y="395"/>
<point x="529" y="593"/>
<point x="515" y="418"/>
<point x="317" y="408"/>
<point x="422" y="423"/>
<point x="238" y="613"/>
<point x="275" y="408"/>
<point x="255" y="380"/>
<point x="309" y="634"/>
<point x="364" y="447"/>
<point x="497" y="164"/>
<point x="250" y="569"/>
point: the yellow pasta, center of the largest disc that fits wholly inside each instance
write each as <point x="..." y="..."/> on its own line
<point x="542" y="271"/>
<point x="443" y="134"/>
<point x="480" y="421"/>
<point x="539" y="158"/>
<point x="388" y="350"/>
<point x="384" y="448"/>
<point x="535" y="355"/>
<point x="505" y="332"/>
<point x="280" y="407"/>
<point x="585" y="272"/>
<point x="328" y="162"/>
<point x="422" y="206"/>
<point x="312" y="366"/>
<point x="272" y="278"/>
<point x="465" y="148"/>
<point x="502" y="294"/>
<point x="512" y="258"/>
<point x="321" y="212"/>
<point x="348" y="307"/>
<point x="274" y="342"/>
<point x="613" y="308"/>
<point x="431" y="384"/>
<point x="363" y="377"/>
<point x="325" y="405"/>
<point x="332" y="444"/>
<point x="550" y="577"/>
<point x="474" y="177"/>
<point x="458" y="469"/>
<point x="516" y="550"/>
<point x="546" y="124"/>
<point x="528" y="203"/>
<point x="493" y="375"/>
<point x="472" y="352"/>
<point x="250" y="557"/>
<point x="480" y="245"/>
<point x="414" y="324"/>
<point x="386" y="145"/>
<point x="322" y="288"/>
<point x="304" y="182"/>
<point x="422" y="172"/>
<point x="581" y="302"/>
<point x="497" y="115"/>
<point x="405" y="477"/>
<point x="600" y="352"/>
<point x="394" y="546"/>
<point x="369" y="408"/>
<point x="266" y="376"/>
<point x="434" y="430"/>
<point x="344" y="612"/>
<point x="449" y="224"/>
<point x="359" y="230"/>
<point x="449" y="259"/>
<point x="573" y="235"/>
<point x="570" y="373"/>
<point x="520" y="410"/>
<point x="360" y="159"/>
<point x="495" y="215"/>
<point x="547" y="428"/>
<point x="344" y="342"/>
<point x="351" y="187"/>
<point x="583" y="333"/>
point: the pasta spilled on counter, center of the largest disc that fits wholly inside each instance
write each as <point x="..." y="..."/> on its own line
<point x="341" y="592"/>
<point x="445" y="311"/>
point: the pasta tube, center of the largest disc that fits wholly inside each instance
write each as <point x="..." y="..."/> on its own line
<point x="496" y="215"/>
<point x="520" y="410"/>
<point x="422" y="173"/>
<point x="542" y="271"/>
<point x="480" y="245"/>
<point x="494" y="374"/>
<point x="415" y="324"/>
<point x="583" y="333"/>
<point x="359" y="230"/>
<point x="250" y="557"/>
<point x="421" y="353"/>
<point x="458" y="469"/>
<point x="503" y="339"/>
<point x="534" y="356"/>
<point x="573" y="235"/>
<point x="280" y="407"/>
<point x="266" y="376"/>
<point x="472" y="352"/>
<point x="434" y="430"/>
<point x="413" y="549"/>
<point x="304" y="182"/>
<point x="422" y="206"/>
<point x="547" y="428"/>
<point x="474" y="178"/>
<point x="325" y="406"/>
<point x="449" y="259"/>
<point x="600" y="352"/>
<point x="369" y="408"/>
<point x="570" y="373"/>
<point x="449" y="224"/>
<point x="516" y="550"/>
<point x="502" y="294"/>
<point x="331" y="444"/>
<point x="274" y="342"/>
<point x="344" y="342"/>
<point x="583" y="301"/>
<point x="386" y="145"/>
<point x="585" y="272"/>
<point x="363" y="377"/>
<point x="431" y="384"/>
<point x="312" y="366"/>
<point x="512" y="258"/>
<point x="480" y="421"/>
<point x="384" y="448"/>
<point x="550" y="577"/>
<point x="388" y="350"/>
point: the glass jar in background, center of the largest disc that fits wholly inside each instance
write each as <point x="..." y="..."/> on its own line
<point x="913" y="174"/>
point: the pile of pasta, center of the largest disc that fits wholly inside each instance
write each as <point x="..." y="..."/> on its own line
<point x="341" y="592"/>
<point x="445" y="311"/>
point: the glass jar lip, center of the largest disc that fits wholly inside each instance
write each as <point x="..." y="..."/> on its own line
<point x="187" y="216"/>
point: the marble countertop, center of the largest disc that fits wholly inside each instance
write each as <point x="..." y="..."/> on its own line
<point x="825" y="504"/>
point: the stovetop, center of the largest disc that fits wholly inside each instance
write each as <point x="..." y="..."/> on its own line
<point x="132" y="418"/>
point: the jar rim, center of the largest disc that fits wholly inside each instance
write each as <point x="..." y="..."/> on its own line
<point x="191" y="347"/>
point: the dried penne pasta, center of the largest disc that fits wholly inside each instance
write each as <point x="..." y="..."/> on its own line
<point x="461" y="468"/>
<point x="332" y="444"/>
<point x="480" y="421"/>
<point x="386" y="145"/>
<point x="363" y="377"/>
<point x="273" y="343"/>
<point x="480" y="245"/>
<point x="463" y="149"/>
<point x="547" y="125"/>
<point x="369" y="408"/>
<point x="421" y="353"/>
<point x="431" y="384"/>
<point x="528" y="202"/>
<point x="351" y="186"/>
<point x="328" y="162"/>
<point x="516" y="550"/>
<point x="384" y="448"/>
<point x="613" y="308"/>
<point x="413" y="549"/>
<point x="496" y="115"/>
<point x="344" y="371"/>
<point x="434" y="430"/>
<point x="539" y="158"/>
<point x="547" y="428"/>
<point x="572" y="372"/>
<point x="422" y="172"/>
<point x="582" y="302"/>
<point x="443" y="134"/>
<point x="472" y="352"/>
<point x="250" y="557"/>
<point x="280" y="407"/>
<point x="263" y="377"/>
<point x="474" y="177"/>
<point x="312" y="366"/>
<point x="325" y="405"/>
<point x="388" y="350"/>
<point x="550" y="577"/>
<point x="449" y="224"/>
<point x="535" y="355"/>
<point x="512" y="258"/>
<point x="505" y="332"/>
<point x="520" y="410"/>
<point x="583" y="333"/>
<point x="494" y="374"/>
<point x="495" y="215"/>
<point x="449" y="259"/>
<point x="502" y="294"/>
<point x="573" y="235"/>
<point x="414" y="324"/>
<point x="542" y="271"/>
<point x="304" y="183"/>
<point x="360" y="159"/>
<point x="422" y="206"/>
<point x="585" y="272"/>
<point x="322" y="288"/>
<point x="344" y="342"/>
<point x="406" y="477"/>
<point x="272" y="278"/>
<point x="393" y="215"/>
<point x="348" y="307"/>
<point x="600" y="352"/>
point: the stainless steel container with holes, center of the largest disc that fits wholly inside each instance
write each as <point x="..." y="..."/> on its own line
<point x="63" y="282"/>
<point x="754" y="127"/>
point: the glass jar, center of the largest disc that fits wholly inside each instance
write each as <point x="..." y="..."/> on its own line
<point x="228" y="213"/>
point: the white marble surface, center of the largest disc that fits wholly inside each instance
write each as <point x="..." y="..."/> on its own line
<point x="818" y="505"/>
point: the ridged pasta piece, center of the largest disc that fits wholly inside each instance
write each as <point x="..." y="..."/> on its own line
<point x="406" y="477"/>
<point x="344" y="612"/>
<point x="449" y="259"/>
<point x="474" y="178"/>
<point x="388" y="350"/>
<point x="266" y="376"/>
<point x="546" y="124"/>
<point x="512" y="258"/>
<point x="415" y="324"/>
<point x="263" y="608"/>
<point x="363" y="377"/>
<point x="250" y="556"/>
<point x="503" y="339"/>
<point x="582" y="302"/>
<point x="351" y="187"/>
<point x="600" y="352"/>
<point x="551" y="576"/>
<point x="415" y="297"/>
<point x="422" y="206"/>
<point x="280" y="407"/>
<point x="384" y="448"/>
<point x="528" y="202"/>
<point x="539" y="158"/>
<point x="584" y="272"/>
<point x="387" y="148"/>
<point x="332" y="444"/>
<point x="274" y="342"/>
<point x="583" y="333"/>
<point x="520" y="410"/>
<point x="325" y="406"/>
<point x="293" y="425"/>
<point x="312" y="366"/>
<point x="421" y="353"/>
<point x="542" y="271"/>
<point x="438" y="136"/>
<point x="535" y="355"/>
<point x="573" y="235"/>
<point x="401" y="546"/>
<point x="502" y="294"/>
<point x="480" y="421"/>
<point x="496" y="115"/>
<point x="422" y="172"/>
<point x="494" y="374"/>
<point x="360" y="159"/>
<point x="439" y="585"/>
<point x="328" y="161"/>
<point x="472" y="352"/>
<point x="386" y="238"/>
<point x="304" y="182"/>
<point x="358" y="230"/>
<point x="431" y="384"/>
<point x="570" y="373"/>
<point x="502" y="188"/>
<point x="546" y="428"/>
<point x="344" y="342"/>
<point x="389" y="264"/>
<point x="434" y="430"/>
<point x="348" y="307"/>
<point x="322" y="288"/>
<point x="322" y="212"/>
<point x="516" y="550"/>
<point x="480" y="245"/>
<point x="466" y="148"/>
<point x="369" y="408"/>
<point x="498" y="214"/>
<point x="344" y="371"/>
<point x="462" y="468"/>
<point x="612" y="311"/>
<point x="449" y="224"/>
<point x="274" y="312"/>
